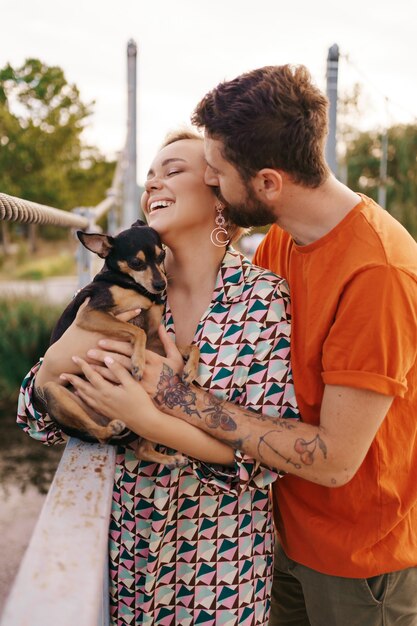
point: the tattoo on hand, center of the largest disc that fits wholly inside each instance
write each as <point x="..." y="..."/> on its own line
<point x="172" y="391"/>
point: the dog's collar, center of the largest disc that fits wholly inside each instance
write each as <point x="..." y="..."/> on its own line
<point x="126" y="282"/>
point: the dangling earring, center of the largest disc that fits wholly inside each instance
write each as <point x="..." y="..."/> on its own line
<point x="218" y="235"/>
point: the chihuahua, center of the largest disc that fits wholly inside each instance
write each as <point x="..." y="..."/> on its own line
<point x="132" y="277"/>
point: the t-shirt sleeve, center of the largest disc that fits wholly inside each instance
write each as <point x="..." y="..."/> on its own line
<point x="373" y="340"/>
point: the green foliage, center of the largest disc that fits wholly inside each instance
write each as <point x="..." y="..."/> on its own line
<point x="25" y="328"/>
<point x="363" y="158"/>
<point x="63" y="265"/>
<point x="42" y="154"/>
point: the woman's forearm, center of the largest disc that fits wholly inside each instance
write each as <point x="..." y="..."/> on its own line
<point x="183" y="437"/>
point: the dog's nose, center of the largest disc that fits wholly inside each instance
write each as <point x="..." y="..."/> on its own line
<point x="158" y="285"/>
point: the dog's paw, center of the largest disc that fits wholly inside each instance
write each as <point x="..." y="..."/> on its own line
<point x="186" y="376"/>
<point x="116" y="427"/>
<point x="176" y="460"/>
<point x="137" y="372"/>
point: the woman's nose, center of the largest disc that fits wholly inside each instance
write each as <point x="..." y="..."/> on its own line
<point x="152" y="183"/>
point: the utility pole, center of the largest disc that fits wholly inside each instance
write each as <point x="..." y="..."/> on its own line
<point x="130" y="196"/>
<point x="331" y="77"/>
<point x="383" y="169"/>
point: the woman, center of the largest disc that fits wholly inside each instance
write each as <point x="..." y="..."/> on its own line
<point x="200" y="537"/>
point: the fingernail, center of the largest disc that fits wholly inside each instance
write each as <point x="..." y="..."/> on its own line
<point x="63" y="377"/>
<point x="102" y="342"/>
<point x="75" y="359"/>
<point x="138" y="311"/>
<point x="108" y="360"/>
<point x="92" y="353"/>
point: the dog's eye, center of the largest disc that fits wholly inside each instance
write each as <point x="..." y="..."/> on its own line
<point x="135" y="264"/>
<point x="161" y="257"/>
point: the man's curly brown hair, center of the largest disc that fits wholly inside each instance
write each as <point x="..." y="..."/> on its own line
<point x="273" y="117"/>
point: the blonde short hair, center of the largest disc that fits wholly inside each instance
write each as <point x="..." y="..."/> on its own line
<point x="234" y="231"/>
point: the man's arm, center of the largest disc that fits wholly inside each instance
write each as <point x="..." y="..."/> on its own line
<point x="328" y="454"/>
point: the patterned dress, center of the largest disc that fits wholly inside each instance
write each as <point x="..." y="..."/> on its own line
<point x="195" y="545"/>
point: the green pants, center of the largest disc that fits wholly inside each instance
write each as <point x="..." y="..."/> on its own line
<point x="303" y="597"/>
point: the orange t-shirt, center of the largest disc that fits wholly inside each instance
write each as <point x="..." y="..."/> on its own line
<point x="354" y="323"/>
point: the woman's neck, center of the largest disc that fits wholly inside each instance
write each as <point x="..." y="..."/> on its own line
<point x="192" y="271"/>
<point x="192" y="268"/>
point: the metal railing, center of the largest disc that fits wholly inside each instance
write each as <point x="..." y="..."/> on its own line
<point x="63" y="577"/>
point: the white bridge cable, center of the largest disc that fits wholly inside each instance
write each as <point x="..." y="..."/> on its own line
<point x="14" y="209"/>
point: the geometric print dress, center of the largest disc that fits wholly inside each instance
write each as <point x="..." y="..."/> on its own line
<point x="194" y="545"/>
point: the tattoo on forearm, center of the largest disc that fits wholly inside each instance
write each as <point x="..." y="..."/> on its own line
<point x="285" y="423"/>
<point x="236" y="444"/>
<point x="268" y="440"/>
<point x="172" y="391"/>
<point x="217" y="415"/>
<point x="305" y="449"/>
<point x="39" y="400"/>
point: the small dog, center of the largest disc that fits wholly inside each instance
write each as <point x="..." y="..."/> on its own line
<point x="132" y="276"/>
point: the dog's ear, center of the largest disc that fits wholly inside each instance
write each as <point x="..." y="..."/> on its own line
<point x="99" y="244"/>
<point x="138" y="223"/>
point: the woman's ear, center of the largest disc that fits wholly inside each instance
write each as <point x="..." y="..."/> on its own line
<point x="268" y="184"/>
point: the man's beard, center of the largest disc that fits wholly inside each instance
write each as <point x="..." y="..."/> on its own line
<point x="250" y="212"/>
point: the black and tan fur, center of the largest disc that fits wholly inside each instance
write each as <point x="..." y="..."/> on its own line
<point x="132" y="277"/>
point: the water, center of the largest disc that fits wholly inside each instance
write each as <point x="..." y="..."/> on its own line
<point x="26" y="471"/>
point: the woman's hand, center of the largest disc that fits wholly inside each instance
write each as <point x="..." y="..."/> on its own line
<point x="77" y="341"/>
<point x="129" y="401"/>
<point x="154" y="366"/>
<point x="120" y="351"/>
<point x="125" y="400"/>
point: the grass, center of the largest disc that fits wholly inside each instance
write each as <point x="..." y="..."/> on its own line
<point x="52" y="258"/>
<point x="63" y="265"/>
<point x="25" y="329"/>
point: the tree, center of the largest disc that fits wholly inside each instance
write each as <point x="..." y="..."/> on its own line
<point x="363" y="158"/>
<point x="42" y="156"/>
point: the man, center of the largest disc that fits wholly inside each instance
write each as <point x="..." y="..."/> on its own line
<point x="346" y="512"/>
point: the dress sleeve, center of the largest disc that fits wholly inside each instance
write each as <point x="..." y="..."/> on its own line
<point x="38" y="425"/>
<point x="269" y="390"/>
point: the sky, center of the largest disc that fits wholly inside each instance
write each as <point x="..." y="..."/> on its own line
<point x="186" y="47"/>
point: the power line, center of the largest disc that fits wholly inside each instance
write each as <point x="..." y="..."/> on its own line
<point x="387" y="99"/>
